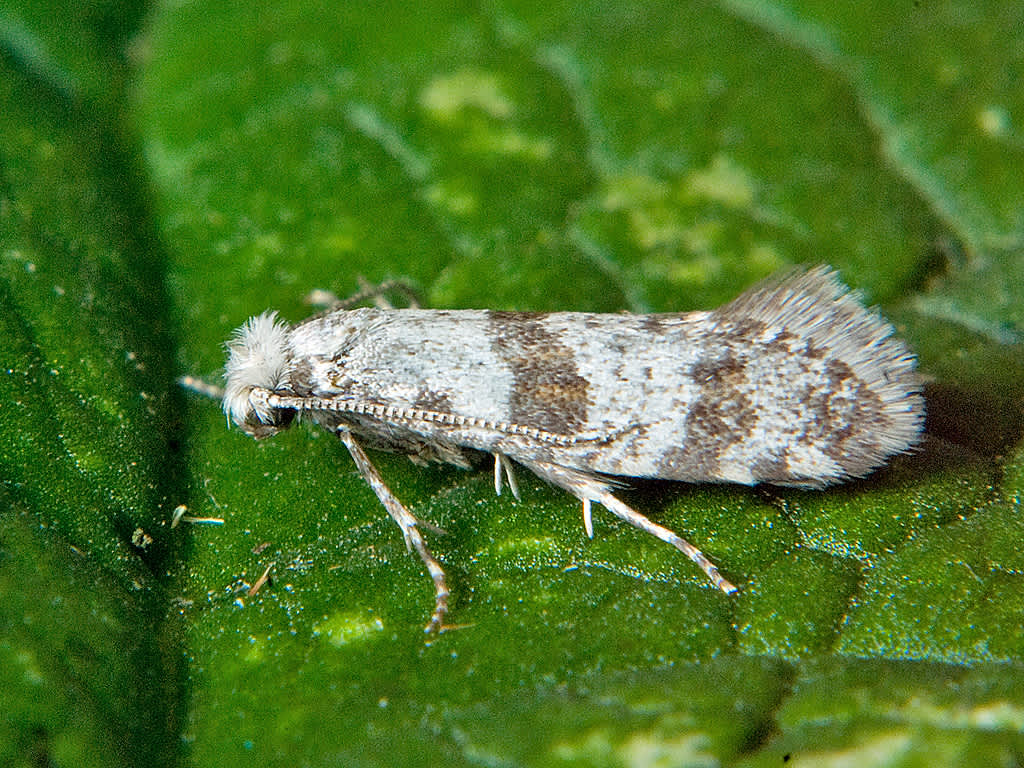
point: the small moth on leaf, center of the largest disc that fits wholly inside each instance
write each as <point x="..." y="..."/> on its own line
<point x="793" y="383"/>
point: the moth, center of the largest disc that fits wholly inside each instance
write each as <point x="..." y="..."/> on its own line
<point x="794" y="383"/>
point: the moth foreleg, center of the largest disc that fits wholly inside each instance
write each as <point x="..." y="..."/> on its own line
<point x="589" y="488"/>
<point x="407" y="522"/>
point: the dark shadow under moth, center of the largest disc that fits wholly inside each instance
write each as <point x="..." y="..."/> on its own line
<point x="793" y="383"/>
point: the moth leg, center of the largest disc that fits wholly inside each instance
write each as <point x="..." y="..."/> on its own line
<point x="588" y="519"/>
<point x="407" y="522"/>
<point x="590" y="488"/>
<point x="376" y="292"/>
<point x="503" y="468"/>
<point x="321" y="297"/>
<point x="633" y="517"/>
<point x="331" y="303"/>
<point x="201" y="387"/>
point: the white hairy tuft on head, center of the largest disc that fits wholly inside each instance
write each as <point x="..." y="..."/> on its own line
<point x="258" y="354"/>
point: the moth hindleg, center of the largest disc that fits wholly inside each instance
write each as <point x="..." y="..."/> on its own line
<point x="589" y="488"/>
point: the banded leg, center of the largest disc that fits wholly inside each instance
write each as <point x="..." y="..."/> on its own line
<point x="407" y="522"/>
<point x="367" y="290"/>
<point x="590" y="488"/>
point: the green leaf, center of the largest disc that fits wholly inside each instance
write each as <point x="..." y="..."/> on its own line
<point x="90" y="675"/>
<point x="160" y="185"/>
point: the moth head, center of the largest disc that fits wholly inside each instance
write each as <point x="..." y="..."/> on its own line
<point x="258" y="356"/>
